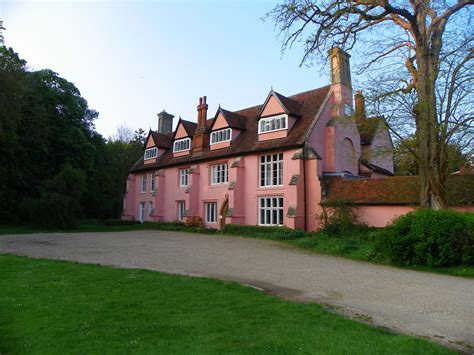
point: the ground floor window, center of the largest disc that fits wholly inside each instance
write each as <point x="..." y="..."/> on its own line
<point x="181" y="210"/>
<point x="270" y="211"/>
<point x="141" y="215"/>
<point x="211" y="212"/>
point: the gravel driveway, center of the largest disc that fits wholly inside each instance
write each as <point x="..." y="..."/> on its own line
<point x="435" y="306"/>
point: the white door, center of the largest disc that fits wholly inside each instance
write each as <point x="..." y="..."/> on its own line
<point x="141" y="215"/>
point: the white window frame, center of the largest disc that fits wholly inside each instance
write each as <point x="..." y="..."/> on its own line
<point x="184" y="177"/>
<point x="181" y="210"/>
<point x="141" y="212"/>
<point x="222" y="135"/>
<point x="150" y="153"/>
<point x="268" y="121"/>
<point x="150" y="210"/>
<point x="152" y="182"/>
<point x="182" y="142"/>
<point x="270" y="169"/>
<point x="219" y="174"/>
<point x="273" y="211"/>
<point x="210" y="211"/>
<point x="144" y="182"/>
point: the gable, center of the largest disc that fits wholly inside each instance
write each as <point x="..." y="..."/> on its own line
<point x="272" y="107"/>
<point x="150" y="142"/>
<point x="180" y="132"/>
<point x="220" y="122"/>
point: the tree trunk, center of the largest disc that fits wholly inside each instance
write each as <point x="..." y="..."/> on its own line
<point x="430" y="146"/>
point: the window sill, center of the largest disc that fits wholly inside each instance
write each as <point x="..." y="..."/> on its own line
<point x="217" y="186"/>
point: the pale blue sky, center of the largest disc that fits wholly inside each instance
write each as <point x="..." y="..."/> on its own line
<point x="132" y="59"/>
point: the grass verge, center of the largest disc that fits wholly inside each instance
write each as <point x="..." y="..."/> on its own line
<point x="62" y="307"/>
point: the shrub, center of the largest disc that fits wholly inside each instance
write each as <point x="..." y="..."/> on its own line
<point x="433" y="238"/>
<point x="277" y="233"/>
<point x="169" y="226"/>
<point x="339" y="217"/>
<point x="195" y="222"/>
<point x="120" y="222"/>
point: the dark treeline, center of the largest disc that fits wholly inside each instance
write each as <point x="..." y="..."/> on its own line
<point x="54" y="167"/>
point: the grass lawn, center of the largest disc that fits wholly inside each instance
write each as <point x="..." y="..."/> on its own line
<point x="61" y="307"/>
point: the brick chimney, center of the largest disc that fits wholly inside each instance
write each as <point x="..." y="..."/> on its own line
<point x="201" y="136"/>
<point x="340" y="67"/>
<point x="359" y="103"/>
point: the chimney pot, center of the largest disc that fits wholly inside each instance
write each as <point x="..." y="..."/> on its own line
<point x="204" y="100"/>
<point x="200" y="101"/>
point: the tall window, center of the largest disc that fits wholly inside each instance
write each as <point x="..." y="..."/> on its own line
<point x="150" y="209"/>
<point x="181" y="145"/>
<point x="183" y="177"/>
<point x="151" y="153"/>
<point x="181" y="210"/>
<point x="274" y="123"/>
<point x="152" y="182"/>
<point x="271" y="170"/>
<point x="270" y="211"/>
<point x="221" y="136"/>
<point x="141" y="215"/>
<point x="144" y="183"/>
<point x="211" y="212"/>
<point x="219" y="174"/>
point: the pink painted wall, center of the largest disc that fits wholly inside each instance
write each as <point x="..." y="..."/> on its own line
<point x="381" y="150"/>
<point x="381" y="216"/>
<point x="272" y="135"/>
<point x="273" y="107"/>
<point x="220" y="122"/>
<point x="243" y="198"/>
<point x="219" y="145"/>
<point x="150" y="142"/>
<point x="181" y="132"/>
<point x="181" y="154"/>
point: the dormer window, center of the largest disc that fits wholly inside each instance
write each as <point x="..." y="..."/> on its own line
<point x="274" y="123"/>
<point x="151" y="153"/>
<point x="223" y="135"/>
<point x="182" y="145"/>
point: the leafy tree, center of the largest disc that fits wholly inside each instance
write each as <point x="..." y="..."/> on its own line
<point x="59" y="202"/>
<point x="406" y="163"/>
<point x="413" y="37"/>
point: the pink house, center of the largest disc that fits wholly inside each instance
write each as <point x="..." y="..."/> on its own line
<point x="262" y="165"/>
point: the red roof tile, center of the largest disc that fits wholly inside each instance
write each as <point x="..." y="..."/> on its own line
<point x="247" y="141"/>
<point x="397" y="190"/>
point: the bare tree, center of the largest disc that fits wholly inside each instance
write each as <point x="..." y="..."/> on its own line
<point x="124" y="134"/>
<point x="400" y="36"/>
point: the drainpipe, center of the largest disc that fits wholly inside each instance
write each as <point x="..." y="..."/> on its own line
<point x="305" y="189"/>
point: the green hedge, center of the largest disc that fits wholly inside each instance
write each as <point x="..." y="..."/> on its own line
<point x="276" y="233"/>
<point x="432" y="238"/>
<point x="120" y="222"/>
<point x="178" y="226"/>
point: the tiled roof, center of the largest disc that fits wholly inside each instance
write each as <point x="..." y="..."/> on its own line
<point x="292" y="106"/>
<point x="397" y="190"/>
<point x="376" y="168"/>
<point x="367" y="128"/>
<point x="234" y="119"/>
<point x="189" y="126"/>
<point x="247" y="141"/>
<point x="161" y="140"/>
